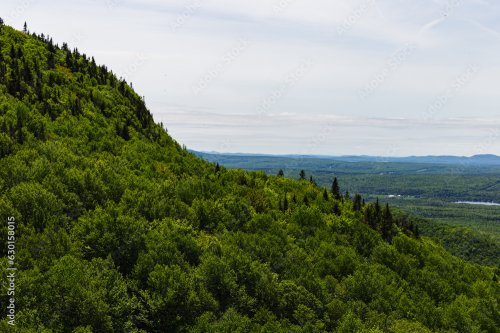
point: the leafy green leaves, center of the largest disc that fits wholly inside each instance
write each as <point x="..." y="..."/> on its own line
<point x="122" y="230"/>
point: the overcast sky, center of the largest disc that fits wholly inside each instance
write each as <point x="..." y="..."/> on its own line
<point x="391" y="78"/>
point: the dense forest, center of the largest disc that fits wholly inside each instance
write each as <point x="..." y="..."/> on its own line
<point x="121" y="229"/>
<point x="428" y="191"/>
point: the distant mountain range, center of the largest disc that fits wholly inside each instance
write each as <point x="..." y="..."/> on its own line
<point x="484" y="159"/>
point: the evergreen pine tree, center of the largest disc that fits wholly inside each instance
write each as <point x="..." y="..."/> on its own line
<point x="3" y="66"/>
<point x="125" y="133"/>
<point x="285" y="204"/>
<point x="335" y="189"/>
<point x="51" y="61"/>
<point x="386" y="226"/>
<point x="357" y="203"/>
<point x="325" y="195"/>
<point x="19" y="127"/>
<point x="377" y="207"/>
<point x="13" y="53"/>
<point x="281" y="173"/>
<point x="302" y="175"/>
<point x="336" y="209"/>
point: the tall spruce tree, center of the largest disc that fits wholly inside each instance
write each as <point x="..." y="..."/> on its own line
<point x="357" y="203"/>
<point x="336" y="189"/>
<point x="387" y="223"/>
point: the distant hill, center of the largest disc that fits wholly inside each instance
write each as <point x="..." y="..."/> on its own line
<point x="445" y="165"/>
<point x="457" y="160"/>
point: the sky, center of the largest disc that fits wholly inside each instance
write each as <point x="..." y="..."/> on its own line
<point x="357" y="77"/>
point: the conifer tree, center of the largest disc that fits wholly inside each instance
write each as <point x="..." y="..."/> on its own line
<point x="3" y="66"/>
<point x="377" y="207"/>
<point x="125" y="132"/>
<point x="281" y="173"/>
<point x="302" y="175"/>
<point x="335" y="189"/>
<point x="13" y="53"/>
<point x="285" y="204"/>
<point x="25" y="27"/>
<point x="19" y="127"/>
<point x="336" y="209"/>
<point x="325" y="195"/>
<point x="386" y="226"/>
<point x="51" y="61"/>
<point x="357" y="203"/>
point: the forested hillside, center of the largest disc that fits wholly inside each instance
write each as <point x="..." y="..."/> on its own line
<point x="120" y="229"/>
<point x="429" y="192"/>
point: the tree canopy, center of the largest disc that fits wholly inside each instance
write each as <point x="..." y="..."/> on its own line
<point x="120" y="229"/>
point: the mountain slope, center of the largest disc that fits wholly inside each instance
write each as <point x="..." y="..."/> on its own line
<point x="119" y="229"/>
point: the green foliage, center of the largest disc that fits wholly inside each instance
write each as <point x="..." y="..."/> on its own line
<point x="120" y="229"/>
<point x="426" y="190"/>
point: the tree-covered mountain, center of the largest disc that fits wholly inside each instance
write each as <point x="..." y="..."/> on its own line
<point x="120" y="229"/>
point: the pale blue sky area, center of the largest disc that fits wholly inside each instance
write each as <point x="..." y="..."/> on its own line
<point x="327" y="77"/>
